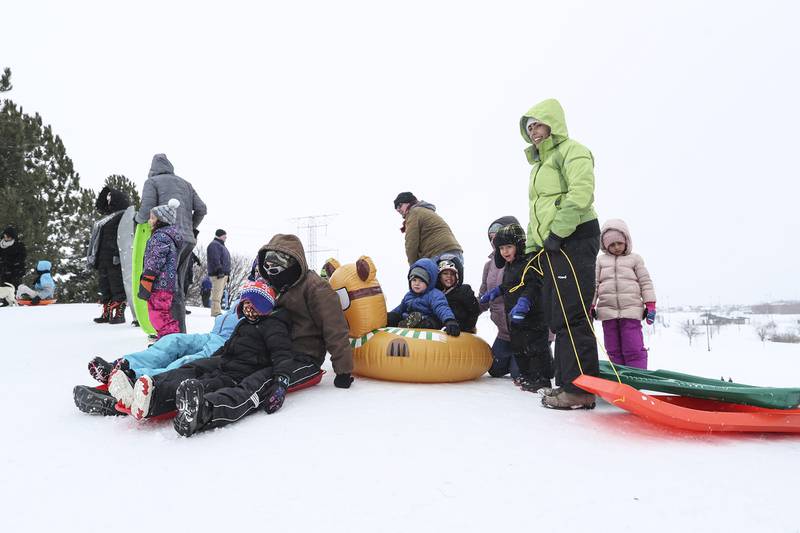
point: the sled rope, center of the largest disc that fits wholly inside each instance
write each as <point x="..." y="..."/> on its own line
<point x="585" y="312"/>
<point x="528" y="267"/>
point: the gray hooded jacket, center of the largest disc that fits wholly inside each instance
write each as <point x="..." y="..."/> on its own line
<point x="162" y="184"/>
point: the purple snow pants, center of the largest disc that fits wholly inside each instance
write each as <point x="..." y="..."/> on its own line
<point x="158" y="309"/>
<point x="624" y="342"/>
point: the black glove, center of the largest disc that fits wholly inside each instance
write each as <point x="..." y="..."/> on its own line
<point x="452" y="328"/>
<point x="342" y="381"/>
<point x="276" y="393"/>
<point x="553" y="242"/>
<point x="393" y="318"/>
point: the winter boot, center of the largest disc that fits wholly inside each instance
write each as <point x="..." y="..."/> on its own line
<point x="100" y="369"/>
<point x="193" y="411"/>
<point x="117" y="313"/>
<point x="142" y="394"/>
<point x="569" y="400"/>
<point x="535" y="385"/>
<point x="103" y="318"/>
<point x="549" y="391"/>
<point x="120" y="385"/>
<point x="94" y="402"/>
<point x="35" y="300"/>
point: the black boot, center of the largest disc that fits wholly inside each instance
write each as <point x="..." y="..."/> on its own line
<point x="117" y="313"/>
<point x="193" y="411"/>
<point x="100" y="369"/>
<point x="103" y="318"/>
<point x="94" y="402"/>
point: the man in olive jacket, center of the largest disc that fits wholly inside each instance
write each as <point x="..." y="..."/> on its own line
<point x="427" y="234"/>
<point x="563" y="223"/>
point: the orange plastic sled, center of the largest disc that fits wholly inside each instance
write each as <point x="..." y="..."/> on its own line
<point x="692" y="413"/>
<point x="41" y="302"/>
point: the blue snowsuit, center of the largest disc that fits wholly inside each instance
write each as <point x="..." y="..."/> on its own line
<point x="174" y="351"/>
<point x="432" y="303"/>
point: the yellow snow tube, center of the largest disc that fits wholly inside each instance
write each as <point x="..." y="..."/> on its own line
<point x="420" y="356"/>
<point x="397" y="354"/>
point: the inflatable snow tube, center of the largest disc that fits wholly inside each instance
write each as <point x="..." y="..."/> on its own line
<point x="398" y="354"/>
<point x="420" y="356"/>
<point x="41" y="302"/>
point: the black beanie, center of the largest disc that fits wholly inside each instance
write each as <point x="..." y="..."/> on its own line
<point x="404" y="198"/>
<point x="220" y="232"/>
<point x="11" y="232"/>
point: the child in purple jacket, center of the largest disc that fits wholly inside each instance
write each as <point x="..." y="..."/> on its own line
<point x="159" y="279"/>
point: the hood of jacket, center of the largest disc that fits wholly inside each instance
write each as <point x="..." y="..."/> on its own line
<point x="160" y="165"/>
<point x="622" y="227"/>
<point x="423" y="204"/>
<point x="43" y="266"/>
<point x="548" y="112"/>
<point x="119" y="201"/>
<point x="502" y="221"/>
<point x="288" y="244"/>
<point x="432" y="270"/>
<point x="459" y="270"/>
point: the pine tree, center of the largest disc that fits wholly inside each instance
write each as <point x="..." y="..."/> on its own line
<point x="123" y="184"/>
<point x="40" y="194"/>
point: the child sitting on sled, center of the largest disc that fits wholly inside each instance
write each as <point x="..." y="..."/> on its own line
<point x="158" y="281"/>
<point x="529" y="335"/>
<point x="460" y="297"/>
<point x="260" y="340"/>
<point x="624" y="296"/>
<point x="424" y="306"/>
<point x="44" y="287"/>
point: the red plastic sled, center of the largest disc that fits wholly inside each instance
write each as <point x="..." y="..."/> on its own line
<point x="693" y="414"/>
<point x="41" y="302"/>
<point x="310" y="382"/>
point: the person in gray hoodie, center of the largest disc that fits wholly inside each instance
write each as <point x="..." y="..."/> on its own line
<point x="162" y="184"/>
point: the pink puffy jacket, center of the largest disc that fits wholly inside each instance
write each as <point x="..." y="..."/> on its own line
<point x="622" y="283"/>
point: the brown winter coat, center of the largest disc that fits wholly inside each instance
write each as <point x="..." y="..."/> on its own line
<point x="622" y="283"/>
<point x="318" y="323"/>
<point x="427" y="234"/>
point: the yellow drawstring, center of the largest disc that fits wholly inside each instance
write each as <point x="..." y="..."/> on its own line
<point x="527" y="266"/>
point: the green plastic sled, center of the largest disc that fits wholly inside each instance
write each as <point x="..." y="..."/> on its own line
<point x="706" y="388"/>
<point x="140" y="306"/>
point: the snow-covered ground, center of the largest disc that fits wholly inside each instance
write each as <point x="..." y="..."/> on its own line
<point x="478" y="456"/>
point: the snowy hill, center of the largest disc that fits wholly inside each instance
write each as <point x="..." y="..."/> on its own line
<point x="478" y="456"/>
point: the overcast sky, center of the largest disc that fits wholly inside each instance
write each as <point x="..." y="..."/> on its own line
<point x="290" y="109"/>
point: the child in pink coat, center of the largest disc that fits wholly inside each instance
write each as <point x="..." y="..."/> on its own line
<point x="624" y="296"/>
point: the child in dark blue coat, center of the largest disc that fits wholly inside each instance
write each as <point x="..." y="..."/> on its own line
<point x="424" y="306"/>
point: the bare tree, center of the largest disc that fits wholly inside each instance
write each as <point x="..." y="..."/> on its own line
<point x="689" y="329"/>
<point x="240" y="269"/>
<point x="764" y="331"/>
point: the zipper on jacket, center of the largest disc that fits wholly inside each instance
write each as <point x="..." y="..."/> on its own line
<point x="535" y="215"/>
<point x="616" y="288"/>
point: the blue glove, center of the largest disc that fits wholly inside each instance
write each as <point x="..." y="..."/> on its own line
<point x="520" y="311"/>
<point x="276" y="393"/>
<point x="489" y="296"/>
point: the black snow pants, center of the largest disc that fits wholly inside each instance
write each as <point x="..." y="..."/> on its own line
<point x="109" y="280"/>
<point x="582" y="254"/>
<point x="233" y="403"/>
<point x="214" y="373"/>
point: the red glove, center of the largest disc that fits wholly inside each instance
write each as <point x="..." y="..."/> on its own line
<point x="650" y="312"/>
<point x="146" y="285"/>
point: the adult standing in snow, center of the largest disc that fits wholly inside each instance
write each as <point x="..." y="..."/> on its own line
<point x="12" y="257"/>
<point x="104" y="255"/>
<point x="563" y="224"/>
<point x="162" y="184"/>
<point x="427" y="234"/>
<point x="219" y="269"/>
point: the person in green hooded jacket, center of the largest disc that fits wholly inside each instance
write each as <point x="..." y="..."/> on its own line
<point x="564" y="225"/>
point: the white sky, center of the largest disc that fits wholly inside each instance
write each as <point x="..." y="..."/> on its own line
<point x="299" y="108"/>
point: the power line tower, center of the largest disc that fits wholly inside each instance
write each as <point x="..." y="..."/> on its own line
<point x="309" y="227"/>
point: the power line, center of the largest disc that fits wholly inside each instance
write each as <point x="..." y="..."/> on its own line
<point x="311" y="225"/>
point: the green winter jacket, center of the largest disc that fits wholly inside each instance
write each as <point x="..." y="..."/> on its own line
<point x="561" y="188"/>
